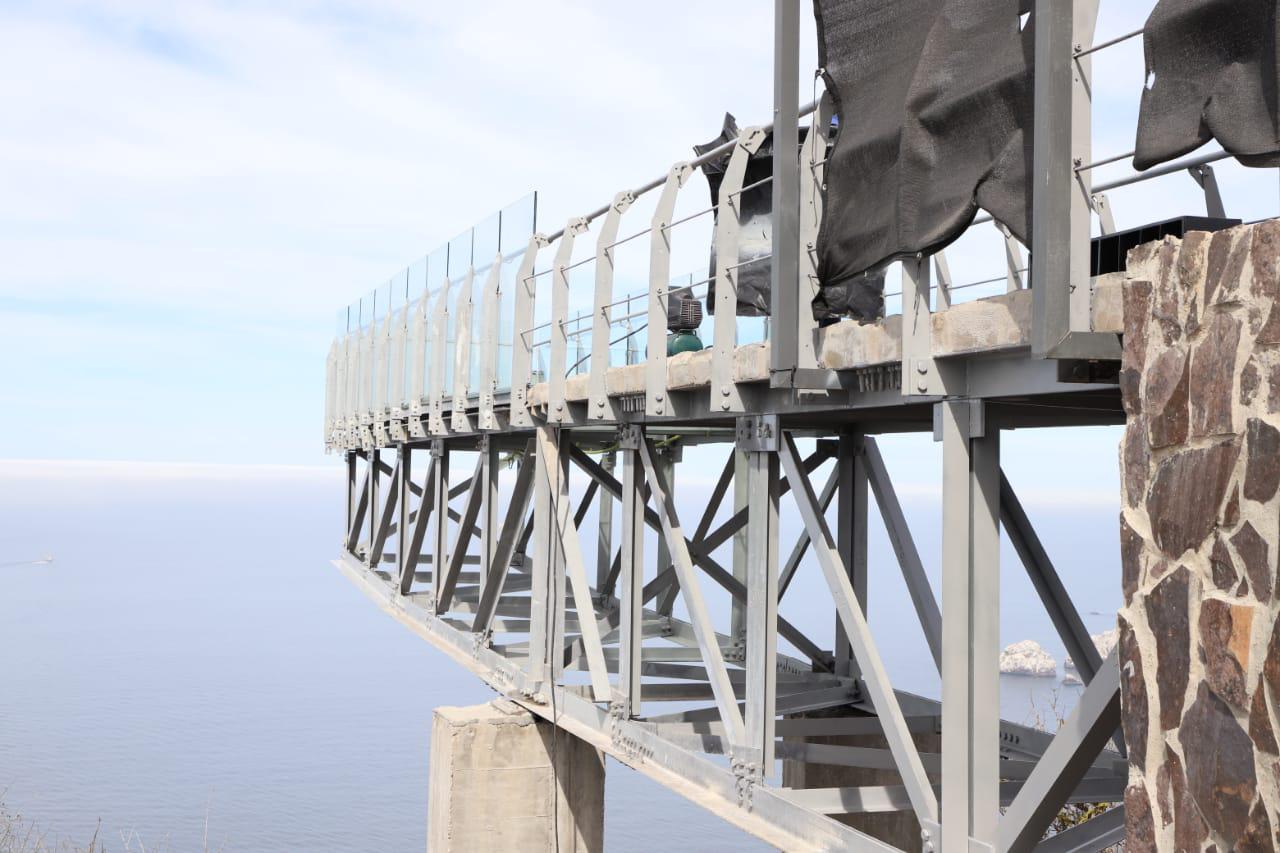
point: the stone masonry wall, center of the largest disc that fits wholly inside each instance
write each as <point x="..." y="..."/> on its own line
<point x="1200" y="530"/>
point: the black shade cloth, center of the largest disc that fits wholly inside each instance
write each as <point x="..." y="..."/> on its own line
<point x="935" y="113"/>
<point x="1211" y="73"/>
<point x="755" y="237"/>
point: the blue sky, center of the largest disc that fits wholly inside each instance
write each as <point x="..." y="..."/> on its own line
<point x="189" y="191"/>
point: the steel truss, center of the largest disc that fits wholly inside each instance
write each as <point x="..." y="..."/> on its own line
<point x="499" y="577"/>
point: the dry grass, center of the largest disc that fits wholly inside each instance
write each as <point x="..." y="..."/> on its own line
<point x="19" y="834"/>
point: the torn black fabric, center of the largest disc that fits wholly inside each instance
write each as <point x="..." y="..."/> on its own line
<point x="1211" y="73"/>
<point x="935" y="116"/>
<point x="755" y="236"/>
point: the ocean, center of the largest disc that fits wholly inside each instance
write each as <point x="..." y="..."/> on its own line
<point x="191" y="671"/>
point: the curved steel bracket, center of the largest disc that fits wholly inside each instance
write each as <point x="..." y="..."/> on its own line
<point x="522" y="343"/>
<point x="558" y="361"/>
<point x="598" y="393"/>
<point x="659" y="278"/>
<point x="725" y="394"/>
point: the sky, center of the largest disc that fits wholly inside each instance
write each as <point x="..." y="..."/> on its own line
<point x="189" y="191"/>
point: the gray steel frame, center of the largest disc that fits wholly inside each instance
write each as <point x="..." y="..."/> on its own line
<point x="505" y="587"/>
<point x="534" y="623"/>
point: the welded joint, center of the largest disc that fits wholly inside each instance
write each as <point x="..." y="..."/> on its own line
<point x="977" y="421"/>
<point x="758" y="434"/>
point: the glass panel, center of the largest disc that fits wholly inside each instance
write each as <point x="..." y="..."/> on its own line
<point x="459" y="263"/>
<point x="627" y="329"/>
<point x="437" y="278"/>
<point x="518" y="223"/>
<point x="579" y="327"/>
<point x="486" y="238"/>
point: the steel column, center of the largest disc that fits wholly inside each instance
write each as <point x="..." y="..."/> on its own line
<point x="784" y="275"/>
<point x="741" y="491"/>
<point x="970" y="625"/>
<point x="851" y="532"/>
<point x="762" y="610"/>
<point x="631" y="594"/>
<point x="440" y="503"/>
<point x="404" y="480"/>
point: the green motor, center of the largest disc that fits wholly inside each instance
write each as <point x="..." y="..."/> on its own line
<point x="683" y="341"/>
<point x="684" y="316"/>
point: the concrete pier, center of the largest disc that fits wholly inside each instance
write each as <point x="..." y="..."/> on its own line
<point x="502" y="779"/>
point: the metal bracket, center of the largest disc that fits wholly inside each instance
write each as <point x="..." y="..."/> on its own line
<point x="977" y="419"/>
<point x="630" y="437"/>
<point x="930" y="836"/>
<point x="758" y="433"/>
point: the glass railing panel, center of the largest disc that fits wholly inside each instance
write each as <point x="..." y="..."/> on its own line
<point x="458" y="264"/>
<point x="517" y="225"/>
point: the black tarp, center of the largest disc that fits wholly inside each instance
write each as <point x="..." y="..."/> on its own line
<point x="935" y="113"/>
<point x="1211" y="73"/>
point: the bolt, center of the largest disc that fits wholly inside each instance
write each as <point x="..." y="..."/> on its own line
<point x="559" y="407"/>
<point x="724" y="392"/>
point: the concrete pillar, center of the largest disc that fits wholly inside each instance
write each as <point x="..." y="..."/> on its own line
<point x="502" y="779"/>
<point x="900" y="829"/>
<point x="1200" y="514"/>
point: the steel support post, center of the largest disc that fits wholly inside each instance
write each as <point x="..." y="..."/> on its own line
<point x="631" y="593"/>
<point x="488" y="449"/>
<point x="353" y="489"/>
<point x="738" y="609"/>
<point x="375" y="464"/>
<point x="604" y="534"/>
<point x="546" y="619"/>
<point x="666" y="460"/>
<point x="785" y="265"/>
<point x="1062" y="206"/>
<point x="406" y="563"/>
<point x="762" y="599"/>
<point x="851" y="534"/>
<point x="970" y="625"/>
<point x="440" y="502"/>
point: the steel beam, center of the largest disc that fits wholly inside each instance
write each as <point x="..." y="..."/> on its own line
<point x="851" y="531"/>
<point x="762" y="610"/>
<point x="784" y="273"/>
<point x="970" y="625"/>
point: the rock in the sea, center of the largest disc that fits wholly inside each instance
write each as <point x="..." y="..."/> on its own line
<point x="1104" y="642"/>
<point x="1027" y="658"/>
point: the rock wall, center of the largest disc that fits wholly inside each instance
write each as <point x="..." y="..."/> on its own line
<point x="1200" y="523"/>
